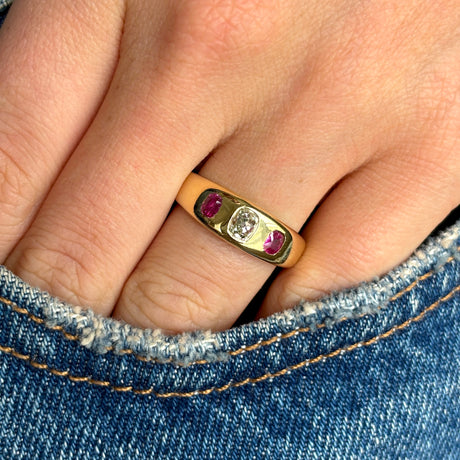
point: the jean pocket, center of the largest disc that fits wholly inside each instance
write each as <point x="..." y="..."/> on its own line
<point x="370" y="372"/>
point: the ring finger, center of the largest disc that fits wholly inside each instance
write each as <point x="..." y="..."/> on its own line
<point x="189" y="279"/>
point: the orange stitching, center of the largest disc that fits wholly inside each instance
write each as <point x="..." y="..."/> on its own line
<point x="36" y="319"/>
<point x="150" y="391"/>
<point x="239" y="351"/>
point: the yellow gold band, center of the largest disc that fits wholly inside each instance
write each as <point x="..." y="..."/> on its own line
<point x="239" y="222"/>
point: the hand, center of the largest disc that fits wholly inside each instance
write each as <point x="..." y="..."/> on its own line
<point x="107" y="106"/>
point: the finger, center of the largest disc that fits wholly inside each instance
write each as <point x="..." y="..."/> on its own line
<point x="170" y="103"/>
<point x="190" y="279"/>
<point x="370" y="223"/>
<point x="116" y="190"/>
<point x="56" y="60"/>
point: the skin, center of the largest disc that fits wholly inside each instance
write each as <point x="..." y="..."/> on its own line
<point x="106" y="107"/>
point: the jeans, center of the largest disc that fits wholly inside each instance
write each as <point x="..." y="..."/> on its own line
<point x="368" y="373"/>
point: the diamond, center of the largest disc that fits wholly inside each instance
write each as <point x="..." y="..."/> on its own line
<point x="211" y="205"/>
<point x="243" y="224"/>
<point x="274" y="242"/>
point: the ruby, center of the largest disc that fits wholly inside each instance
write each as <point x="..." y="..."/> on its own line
<point x="211" y="205"/>
<point x="274" y="242"/>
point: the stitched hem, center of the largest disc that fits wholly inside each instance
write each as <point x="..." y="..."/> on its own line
<point x="244" y="349"/>
<point x="101" y="334"/>
<point x="250" y="380"/>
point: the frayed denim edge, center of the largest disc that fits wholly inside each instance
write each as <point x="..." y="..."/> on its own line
<point x="100" y="334"/>
<point x="4" y="4"/>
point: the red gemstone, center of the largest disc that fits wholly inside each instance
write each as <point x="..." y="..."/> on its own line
<point x="211" y="205"/>
<point x="274" y="242"/>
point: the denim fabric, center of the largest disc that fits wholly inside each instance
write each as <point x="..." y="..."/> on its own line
<point x="4" y="5"/>
<point x="369" y="373"/>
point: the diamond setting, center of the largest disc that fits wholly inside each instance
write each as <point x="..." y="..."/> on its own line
<point x="274" y="242"/>
<point x="243" y="224"/>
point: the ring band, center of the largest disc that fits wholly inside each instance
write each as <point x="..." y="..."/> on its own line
<point x="239" y="222"/>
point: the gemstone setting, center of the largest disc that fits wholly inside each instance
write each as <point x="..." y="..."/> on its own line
<point x="211" y="205"/>
<point x="274" y="242"/>
<point x="243" y="224"/>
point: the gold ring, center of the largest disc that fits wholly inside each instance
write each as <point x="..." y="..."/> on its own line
<point x="239" y="222"/>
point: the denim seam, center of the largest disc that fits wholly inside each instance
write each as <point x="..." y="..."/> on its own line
<point x="244" y="348"/>
<point x="249" y="380"/>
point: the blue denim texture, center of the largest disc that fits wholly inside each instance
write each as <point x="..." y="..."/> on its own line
<point x="4" y="5"/>
<point x="368" y="373"/>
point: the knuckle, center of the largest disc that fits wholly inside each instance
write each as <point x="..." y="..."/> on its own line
<point x="19" y="161"/>
<point x="18" y="197"/>
<point x="436" y="106"/>
<point x="13" y="181"/>
<point x="438" y="98"/>
<point x="292" y="288"/>
<point x="16" y="184"/>
<point x="168" y="302"/>
<point x="62" y="266"/>
<point x="221" y="28"/>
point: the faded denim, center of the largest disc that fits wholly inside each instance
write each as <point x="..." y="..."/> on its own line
<point x="369" y="373"/>
<point x="4" y="5"/>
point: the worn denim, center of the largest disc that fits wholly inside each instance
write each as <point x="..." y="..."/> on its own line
<point x="371" y="372"/>
<point x="368" y="373"/>
<point x="4" y="5"/>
